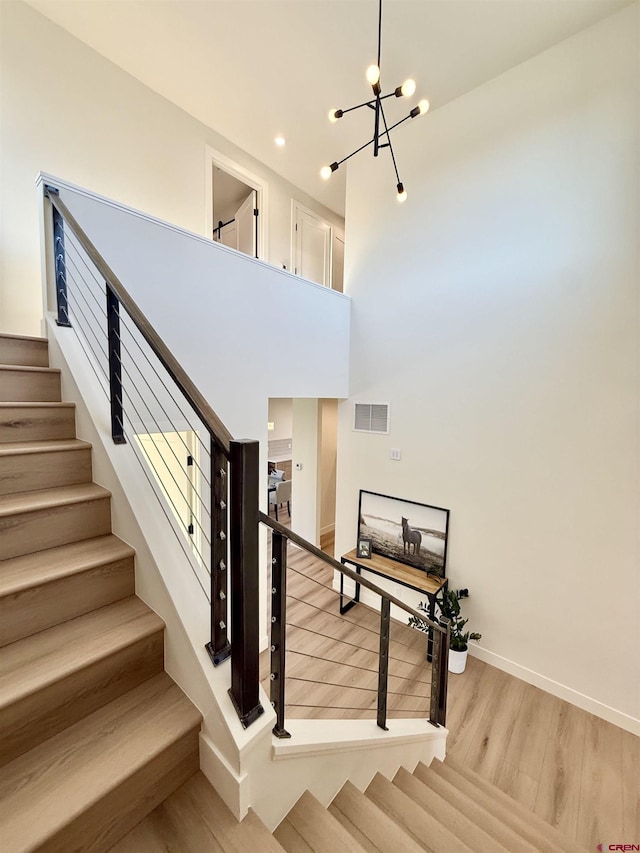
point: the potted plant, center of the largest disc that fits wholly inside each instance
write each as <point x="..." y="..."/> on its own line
<point x="449" y="604"/>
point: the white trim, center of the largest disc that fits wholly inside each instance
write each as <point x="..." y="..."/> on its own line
<point x="60" y="183"/>
<point x="216" y="158"/>
<point x="599" y="709"/>
<point x="330" y="528"/>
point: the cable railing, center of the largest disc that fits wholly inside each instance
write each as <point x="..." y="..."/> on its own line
<point x="208" y="489"/>
<point x="312" y="644"/>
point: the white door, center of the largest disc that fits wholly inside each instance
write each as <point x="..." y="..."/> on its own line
<point x="246" y="225"/>
<point x="311" y="246"/>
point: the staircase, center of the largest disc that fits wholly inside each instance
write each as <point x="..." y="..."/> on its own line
<point x="94" y="732"/>
<point x="99" y="746"/>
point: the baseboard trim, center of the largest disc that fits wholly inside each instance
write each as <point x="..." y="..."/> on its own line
<point x="598" y="709"/>
<point x="330" y="528"/>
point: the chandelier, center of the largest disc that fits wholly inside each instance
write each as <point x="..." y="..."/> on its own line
<point x="381" y="129"/>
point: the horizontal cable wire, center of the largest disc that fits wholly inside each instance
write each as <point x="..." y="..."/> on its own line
<point x="125" y="432"/>
<point x="145" y="380"/>
<point x="331" y="707"/>
<point x="342" y="619"/>
<point x="182" y="541"/>
<point x="167" y="495"/>
<point x="334" y="639"/>
<point x="183" y="496"/>
<point x="330" y="660"/>
<point x="354" y="687"/>
<point x="134" y="338"/>
<point x="161" y="432"/>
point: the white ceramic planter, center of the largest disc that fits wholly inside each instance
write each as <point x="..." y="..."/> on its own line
<point x="457" y="660"/>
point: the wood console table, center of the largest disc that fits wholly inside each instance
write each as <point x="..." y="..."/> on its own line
<point x="400" y="573"/>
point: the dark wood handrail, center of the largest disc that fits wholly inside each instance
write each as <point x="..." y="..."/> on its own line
<point x="349" y="573"/>
<point x="209" y="418"/>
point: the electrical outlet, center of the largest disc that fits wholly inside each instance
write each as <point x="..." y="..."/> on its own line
<point x="395" y="454"/>
<point x="298" y="466"/>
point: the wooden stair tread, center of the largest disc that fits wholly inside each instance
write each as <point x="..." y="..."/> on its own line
<point x="27" y="368"/>
<point x="17" y="448"/>
<point x="453" y="818"/>
<point x="96" y="755"/>
<point x="318" y="828"/>
<point x="374" y="829"/>
<point x="35" y="404"/>
<point x="12" y="337"/>
<point x="481" y="816"/>
<point x="49" y="498"/>
<point x="427" y="830"/>
<point x="49" y="656"/>
<point x="535" y="830"/>
<point x="21" y="573"/>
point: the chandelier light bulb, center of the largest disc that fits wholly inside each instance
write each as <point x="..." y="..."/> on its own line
<point x="408" y="88"/>
<point x="373" y="74"/>
<point x="325" y="173"/>
<point x="334" y="115"/>
<point x="423" y="106"/>
<point x="402" y="193"/>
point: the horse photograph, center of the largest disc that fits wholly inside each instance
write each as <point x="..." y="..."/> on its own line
<point x="409" y="532"/>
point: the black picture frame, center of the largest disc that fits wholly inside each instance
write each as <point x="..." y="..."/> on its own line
<point x="364" y="548"/>
<point x="420" y="541"/>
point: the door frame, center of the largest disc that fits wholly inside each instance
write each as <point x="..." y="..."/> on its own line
<point x="217" y="158"/>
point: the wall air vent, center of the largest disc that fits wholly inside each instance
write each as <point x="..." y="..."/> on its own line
<point x="371" y="417"/>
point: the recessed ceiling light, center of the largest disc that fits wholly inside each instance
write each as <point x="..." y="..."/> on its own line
<point x="280" y="141"/>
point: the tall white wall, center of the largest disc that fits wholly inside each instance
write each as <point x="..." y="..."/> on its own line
<point x="499" y="316"/>
<point x="68" y="111"/>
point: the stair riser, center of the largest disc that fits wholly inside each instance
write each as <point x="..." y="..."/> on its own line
<point x="41" y="606"/>
<point x="39" y="716"/>
<point x="26" y="472"/>
<point x="98" y="828"/>
<point x="24" y="352"/>
<point x="37" y="423"/>
<point x="26" y="386"/>
<point x="28" y="532"/>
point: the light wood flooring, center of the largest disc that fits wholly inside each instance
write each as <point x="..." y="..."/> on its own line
<point x="574" y="770"/>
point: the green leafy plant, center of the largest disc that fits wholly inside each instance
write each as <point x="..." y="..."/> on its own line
<point x="449" y="605"/>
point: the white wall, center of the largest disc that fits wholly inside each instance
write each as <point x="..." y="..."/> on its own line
<point x="499" y="316"/>
<point x="280" y="410"/>
<point x="68" y="111"/>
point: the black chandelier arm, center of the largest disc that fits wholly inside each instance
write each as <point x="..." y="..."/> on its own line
<point x="386" y="130"/>
<point x="371" y="104"/>
<point x="379" y="30"/>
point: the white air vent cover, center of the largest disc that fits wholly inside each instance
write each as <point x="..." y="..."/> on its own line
<point x="371" y="417"/>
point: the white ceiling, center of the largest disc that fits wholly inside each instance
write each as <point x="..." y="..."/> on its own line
<point x="253" y="69"/>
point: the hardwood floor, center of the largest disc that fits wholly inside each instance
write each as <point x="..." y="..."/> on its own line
<point x="575" y="771"/>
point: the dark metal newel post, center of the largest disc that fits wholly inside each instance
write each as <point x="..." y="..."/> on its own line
<point x="439" y="675"/>
<point x="383" y="663"/>
<point x="245" y="598"/>
<point x="278" y="629"/>
<point x="60" y="269"/>
<point x="219" y="648"/>
<point x="115" y="367"/>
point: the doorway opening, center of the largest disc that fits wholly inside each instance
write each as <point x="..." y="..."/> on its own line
<point x="236" y="202"/>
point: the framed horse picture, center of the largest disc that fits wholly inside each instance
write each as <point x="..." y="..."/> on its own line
<point x="407" y="531"/>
